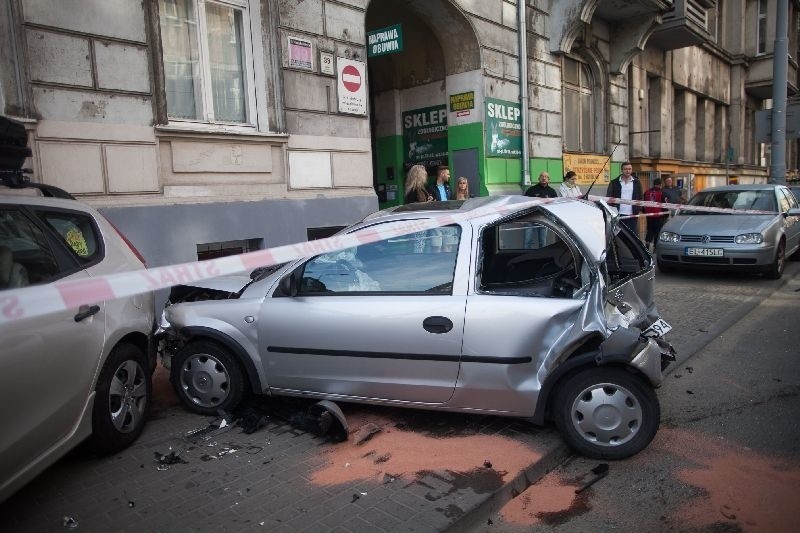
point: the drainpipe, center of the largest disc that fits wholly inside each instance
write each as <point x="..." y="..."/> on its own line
<point x="780" y="58"/>
<point x="523" y="89"/>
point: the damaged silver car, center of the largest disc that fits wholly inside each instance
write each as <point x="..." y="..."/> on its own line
<point x="545" y="312"/>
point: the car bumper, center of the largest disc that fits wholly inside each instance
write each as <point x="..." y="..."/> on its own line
<point x="733" y="255"/>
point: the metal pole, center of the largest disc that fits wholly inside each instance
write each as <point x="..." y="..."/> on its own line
<point x="780" y="59"/>
<point x="523" y="89"/>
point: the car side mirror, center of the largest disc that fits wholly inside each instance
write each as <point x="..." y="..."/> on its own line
<point x="793" y="212"/>
<point x="288" y="285"/>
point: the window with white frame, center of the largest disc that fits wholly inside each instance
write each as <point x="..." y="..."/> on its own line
<point x="578" y="122"/>
<point x="761" y="35"/>
<point x="207" y="55"/>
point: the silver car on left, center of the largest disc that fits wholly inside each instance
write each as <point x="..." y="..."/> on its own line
<point x="75" y="374"/>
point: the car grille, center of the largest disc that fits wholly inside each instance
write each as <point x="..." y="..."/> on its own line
<point x="699" y="238"/>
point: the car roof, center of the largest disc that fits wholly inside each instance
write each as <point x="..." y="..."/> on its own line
<point x="26" y="197"/>
<point x="745" y="187"/>
<point x="585" y="218"/>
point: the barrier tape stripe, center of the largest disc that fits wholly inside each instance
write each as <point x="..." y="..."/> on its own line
<point x="38" y="300"/>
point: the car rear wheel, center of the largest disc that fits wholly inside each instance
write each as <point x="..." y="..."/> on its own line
<point x="122" y="400"/>
<point x="207" y="378"/>
<point x="607" y="413"/>
<point x="775" y="270"/>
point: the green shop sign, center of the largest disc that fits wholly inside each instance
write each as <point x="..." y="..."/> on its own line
<point x="503" y="128"/>
<point x="425" y="135"/>
<point x="385" y="41"/>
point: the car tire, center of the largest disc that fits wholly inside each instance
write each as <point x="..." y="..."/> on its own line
<point x="122" y="401"/>
<point x="607" y="413"/>
<point x="775" y="270"/>
<point x="207" y="378"/>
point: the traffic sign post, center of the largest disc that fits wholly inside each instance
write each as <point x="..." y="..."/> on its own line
<point x="351" y="86"/>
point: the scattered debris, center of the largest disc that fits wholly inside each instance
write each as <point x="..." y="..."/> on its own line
<point x="689" y="369"/>
<point x="677" y="376"/>
<point x="355" y="497"/>
<point x="161" y="468"/>
<point x="600" y="471"/>
<point x="487" y="463"/>
<point x="365" y="433"/>
<point x="170" y="458"/>
<point x="131" y="504"/>
<point x="689" y="392"/>
<point x="489" y="522"/>
<point x="330" y="420"/>
<point x="383" y="458"/>
<point x="69" y="522"/>
<point x="252" y="420"/>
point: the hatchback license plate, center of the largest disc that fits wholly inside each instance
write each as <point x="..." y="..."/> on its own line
<point x="657" y="328"/>
<point x="705" y="252"/>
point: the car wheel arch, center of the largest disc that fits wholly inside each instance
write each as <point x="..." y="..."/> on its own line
<point x="196" y="333"/>
<point x="576" y="363"/>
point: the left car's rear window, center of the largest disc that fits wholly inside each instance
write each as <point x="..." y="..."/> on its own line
<point x="78" y="231"/>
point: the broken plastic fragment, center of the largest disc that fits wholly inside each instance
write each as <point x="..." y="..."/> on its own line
<point x="365" y="433"/>
<point x="162" y="467"/>
<point x="69" y="522"/>
<point x="330" y="420"/>
<point x="131" y="504"/>
<point x="487" y="463"/>
<point x="170" y="458"/>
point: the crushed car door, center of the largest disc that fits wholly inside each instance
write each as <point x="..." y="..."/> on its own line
<point x="382" y="320"/>
<point x="531" y="285"/>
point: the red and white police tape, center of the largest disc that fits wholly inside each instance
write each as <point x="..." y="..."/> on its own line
<point x="29" y="302"/>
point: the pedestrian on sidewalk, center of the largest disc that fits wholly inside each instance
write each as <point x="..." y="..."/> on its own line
<point x="462" y="189"/>
<point x="416" y="182"/>
<point x="542" y="189"/>
<point x="626" y="186"/>
<point x="656" y="216"/>
<point x="672" y="194"/>
<point x="569" y="188"/>
<point x="441" y="189"/>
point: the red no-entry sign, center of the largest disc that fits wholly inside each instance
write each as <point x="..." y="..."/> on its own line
<point x="351" y="78"/>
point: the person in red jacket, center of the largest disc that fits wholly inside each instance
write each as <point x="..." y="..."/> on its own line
<point x="656" y="216"/>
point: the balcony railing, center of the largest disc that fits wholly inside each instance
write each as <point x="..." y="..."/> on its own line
<point x="686" y="24"/>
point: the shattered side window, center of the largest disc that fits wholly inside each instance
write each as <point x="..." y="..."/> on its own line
<point x="624" y="257"/>
<point x="422" y="262"/>
<point x="528" y="258"/>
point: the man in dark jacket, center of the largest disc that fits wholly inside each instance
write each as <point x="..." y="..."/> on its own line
<point x="542" y="189"/>
<point x="626" y="186"/>
<point x="441" y="189"/>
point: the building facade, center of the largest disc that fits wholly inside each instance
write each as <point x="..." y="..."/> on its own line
<point x="207" y="127"/>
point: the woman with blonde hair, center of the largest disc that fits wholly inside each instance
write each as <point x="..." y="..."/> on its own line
<point x="462" y="189"/>
<point x="416" y="182"/>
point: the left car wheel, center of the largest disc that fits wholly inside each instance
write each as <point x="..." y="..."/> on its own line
<point x="207" y="378"/>
<point x="607" y="413"/>
<point x="122" y="400"/>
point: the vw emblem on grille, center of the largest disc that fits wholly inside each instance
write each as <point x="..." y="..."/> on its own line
<point x="706" y="238"/>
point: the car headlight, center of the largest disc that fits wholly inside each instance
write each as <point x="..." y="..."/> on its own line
<point x="668" y="236"/>
<point x="749" y="238"/>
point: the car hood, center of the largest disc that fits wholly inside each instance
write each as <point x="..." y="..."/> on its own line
<point x="718" y="224"/>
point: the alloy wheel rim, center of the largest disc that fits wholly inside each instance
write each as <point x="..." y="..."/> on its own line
<point x="127" y="399"/>
<point x="205" y="380"/>
<point x="606" y="414"/>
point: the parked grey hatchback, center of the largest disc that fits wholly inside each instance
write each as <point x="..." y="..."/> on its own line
<point x="543" y="312"/>
<point x="736" y="241"/>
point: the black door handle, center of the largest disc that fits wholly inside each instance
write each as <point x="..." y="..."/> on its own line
<point x="437" y="324"/>
<point x="85" y="311"/>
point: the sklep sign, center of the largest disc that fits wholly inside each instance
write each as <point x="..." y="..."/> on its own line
<point x="503" y="128"/>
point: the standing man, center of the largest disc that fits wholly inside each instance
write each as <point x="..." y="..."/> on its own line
<point x="672" y="195"/>
<point x="542" y="189"/>
<point x="441" y="189"/>
<point x="656" y="215"/>
<point x="626" y="187"/>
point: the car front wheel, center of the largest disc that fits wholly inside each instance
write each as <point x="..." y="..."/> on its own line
<point x="775" y="270"/>
<point x="607" y="413"/>
<point x="122" y="400"/>
<point x="207" y="378"/>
